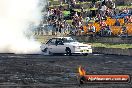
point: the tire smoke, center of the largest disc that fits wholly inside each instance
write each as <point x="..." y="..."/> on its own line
<point x="16" y="16"/>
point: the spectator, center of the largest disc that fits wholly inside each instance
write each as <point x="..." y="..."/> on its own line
<point x="123" y="31"/>
<point x="130" y="19"/>
<point x="125" y="10"/>
<point x="103" y="2"/>
<point x="73" y="4"/>
<point x="102" y="30"/>
<point x="103" y="23"/>
<point x="87" y="20"/>
<point x="93" y="29"/>
<point x="93" y="3"/>
<point x="76" y="15"/>
<point x="117" y="23"/>
<point x="108" y="30"/>
<point x="109" y="4"/>
<point x="123" y="28"/>
<point x="55" y="19"/>
<point x="126" y="18"/>
<point x="103" y="10"/>
<point x="99" y="17"/>
<point x="80" y="24"/>
<point x="82" y="11"/>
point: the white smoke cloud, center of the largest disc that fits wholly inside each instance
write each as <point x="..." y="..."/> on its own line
<point x="15" y="18"/>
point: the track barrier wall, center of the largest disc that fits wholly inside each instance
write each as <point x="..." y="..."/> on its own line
<point x="111" y="40"/>
<point x="114" y="51"/>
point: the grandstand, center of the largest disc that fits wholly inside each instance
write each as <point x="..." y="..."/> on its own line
<point x="68" y="17"/>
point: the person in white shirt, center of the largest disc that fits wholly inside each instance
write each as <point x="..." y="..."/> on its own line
<point x="76" y="14"/>
<point x="103" y="10"/>
<point x="87" y="20"/>
<point x="93" y="29"/>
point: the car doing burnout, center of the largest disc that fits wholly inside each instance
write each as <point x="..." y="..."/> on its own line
<point x="65" y="45"/>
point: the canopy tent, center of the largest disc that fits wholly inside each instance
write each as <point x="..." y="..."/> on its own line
<point x="66" y="13"/>
<point x="120" y="16"/>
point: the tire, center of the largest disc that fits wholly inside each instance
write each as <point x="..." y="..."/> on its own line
<point x="85" y="54"/>
<point x="44" y="50"/>
<point x="47" y="52"/>
<point x="68" y="52"/>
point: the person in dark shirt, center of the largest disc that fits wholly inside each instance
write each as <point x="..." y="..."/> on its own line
<point x="117" y="23"/>
<point x="108" y="30"/>
<point x="103" y="2"/>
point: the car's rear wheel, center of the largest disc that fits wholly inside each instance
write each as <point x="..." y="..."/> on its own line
<point x="68" y="52"/>
<point x="85" y="54"/>
<point x="47" y="52"/>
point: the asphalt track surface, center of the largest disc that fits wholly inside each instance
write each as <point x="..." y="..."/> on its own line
<point x="39" y="71"/>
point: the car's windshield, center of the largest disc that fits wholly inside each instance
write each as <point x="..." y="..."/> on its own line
<point x="68" y="40"/>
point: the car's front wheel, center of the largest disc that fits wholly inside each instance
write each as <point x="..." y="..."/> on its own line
<point x="45" y="50"/>
<point x="85" y="54"/>
<point x="68" y="51"/>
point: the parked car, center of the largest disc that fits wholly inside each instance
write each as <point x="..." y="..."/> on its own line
<point x="65" y="45"/>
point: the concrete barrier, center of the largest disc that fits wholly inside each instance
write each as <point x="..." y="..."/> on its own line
<point x="113" y="40"/>
<point x="115" y="51"/>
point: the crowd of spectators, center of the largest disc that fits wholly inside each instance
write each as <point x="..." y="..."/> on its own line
<point x="106" y="8"/>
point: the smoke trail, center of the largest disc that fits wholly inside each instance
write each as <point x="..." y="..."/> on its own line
<point x="15" y="18"/>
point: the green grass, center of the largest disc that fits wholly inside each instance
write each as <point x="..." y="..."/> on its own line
<point x="70" y="21"/>
<point x="122" y="46"/>
<point x="88" y="9"/>
<point x="51" y="6"/>
<point x="43" y="39"/>
<point x="121" y="7"/>
<point x="57" y="3"/>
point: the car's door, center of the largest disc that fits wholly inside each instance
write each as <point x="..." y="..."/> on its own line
<point x="60" y="47"/>
<point x="52" y="45"/>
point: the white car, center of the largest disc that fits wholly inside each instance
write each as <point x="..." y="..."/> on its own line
<point x="65" y="45"/>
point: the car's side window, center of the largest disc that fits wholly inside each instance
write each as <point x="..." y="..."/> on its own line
<point x="59" y="42"/>
<point x="64" y="40"/>
<point x="51" y="42"/>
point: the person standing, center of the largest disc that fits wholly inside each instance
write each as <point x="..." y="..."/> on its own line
<point x="87" y="20"/>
